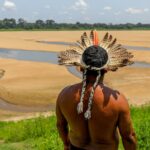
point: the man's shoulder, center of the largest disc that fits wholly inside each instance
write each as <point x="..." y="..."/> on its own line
<point x="123" y="103"/>
<point x="106" y="89"/>
<point x="111" y="92"/>
<point x="115" y="95"/>
<point x="69" y="89"/>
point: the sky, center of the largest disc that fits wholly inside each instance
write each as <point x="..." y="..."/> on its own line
<point x="72" y="11"/>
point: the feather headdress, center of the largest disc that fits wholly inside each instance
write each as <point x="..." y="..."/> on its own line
<point x="118" y="56"/>
<point x="112" y="57"/>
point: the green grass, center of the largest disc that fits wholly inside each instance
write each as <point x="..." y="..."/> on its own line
<point x="41" y="133"/>
<point x="141" y="121"/>
<point x="34" y="134"/>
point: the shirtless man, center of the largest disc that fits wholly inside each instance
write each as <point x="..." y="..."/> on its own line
<point x="89" y="113"/>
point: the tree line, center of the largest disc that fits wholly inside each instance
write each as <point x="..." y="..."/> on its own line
<point x="50" y="24"/>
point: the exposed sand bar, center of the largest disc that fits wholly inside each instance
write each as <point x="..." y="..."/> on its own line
<point x="33" y="83"/>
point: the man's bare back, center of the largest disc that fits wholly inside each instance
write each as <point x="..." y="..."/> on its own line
<point x="110" y="111"/>
<point x="89" y="113"/>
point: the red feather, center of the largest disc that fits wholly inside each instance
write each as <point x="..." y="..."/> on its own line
<point x="96" y="39"/>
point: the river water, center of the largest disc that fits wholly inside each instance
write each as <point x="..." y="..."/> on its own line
<point x="48" y="57"/>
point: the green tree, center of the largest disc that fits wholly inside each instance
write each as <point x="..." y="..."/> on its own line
<point x="9" y="23"/>
<point x="39" y="24"/>
<point x="22" y="23"/>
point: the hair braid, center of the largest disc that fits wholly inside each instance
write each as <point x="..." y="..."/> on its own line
<point x="87" y="114"/>
<point x="80" y="104"/>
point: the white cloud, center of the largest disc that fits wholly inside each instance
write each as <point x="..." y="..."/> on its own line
<point x="9" y="5"/>
<point x="108" y="8"/>
<point x="80" y="5"/>
<point x="136" y="10"/>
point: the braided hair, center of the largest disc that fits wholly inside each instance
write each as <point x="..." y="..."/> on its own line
<point x="80" y="105"/>
<point x="93" y="56"/>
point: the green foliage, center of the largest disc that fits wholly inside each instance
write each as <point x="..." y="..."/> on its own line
<point x="21" y="24"/>
<point x="141" y="120"/>
<point x="41" y="133"/>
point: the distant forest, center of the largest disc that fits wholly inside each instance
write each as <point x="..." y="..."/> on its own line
<point x="21" y="24"/>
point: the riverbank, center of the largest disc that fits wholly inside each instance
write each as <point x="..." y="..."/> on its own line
<point x="8" y="116"/>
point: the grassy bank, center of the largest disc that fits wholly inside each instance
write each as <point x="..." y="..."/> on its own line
<point x="41" y="133"/>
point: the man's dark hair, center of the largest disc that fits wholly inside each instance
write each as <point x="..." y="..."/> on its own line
<point x="95" y="56"/>
<point x="95" y="73"/>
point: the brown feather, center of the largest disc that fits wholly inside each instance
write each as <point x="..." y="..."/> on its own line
<point x="110" y="38"/>
<point x="69" y="57"/>
<point x="113" y="43"/>
<point x="105" y="37"/>
<point x="79" y="44"/>
<point x="86" y="40"/>
<point x="92" y="36"/>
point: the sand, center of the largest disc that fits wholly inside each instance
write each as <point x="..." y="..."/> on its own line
<point x="143" y="56"/>
<point x="33" y="83"/>
<point x="134" y="83"/>
<point x="38" y="84"/>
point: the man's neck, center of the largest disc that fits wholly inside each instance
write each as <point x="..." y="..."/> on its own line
<point x="92" y="79"/>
